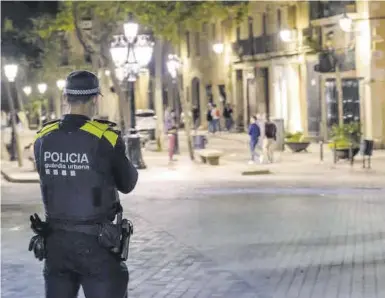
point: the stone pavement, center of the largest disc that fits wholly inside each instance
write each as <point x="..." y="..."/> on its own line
<point x="205" y="239"/>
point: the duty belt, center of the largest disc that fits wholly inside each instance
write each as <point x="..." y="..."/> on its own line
<point x="89" y="229"/>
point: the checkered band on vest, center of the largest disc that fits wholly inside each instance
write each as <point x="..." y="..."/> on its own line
<point x="81" y="92"/>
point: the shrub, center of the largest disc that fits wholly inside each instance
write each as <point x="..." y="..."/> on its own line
<point x="345" y="135"/>
<point x="296" y="137"/>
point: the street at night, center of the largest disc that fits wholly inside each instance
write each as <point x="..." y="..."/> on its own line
<point x="227" y="239"/>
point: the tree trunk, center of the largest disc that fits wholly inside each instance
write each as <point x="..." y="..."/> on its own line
<point x="158" y="51"/>
<point x="118" y="90"/>
<point x="186" y="107"/>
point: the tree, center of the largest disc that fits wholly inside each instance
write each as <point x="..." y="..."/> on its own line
<point x="165" y="20"/>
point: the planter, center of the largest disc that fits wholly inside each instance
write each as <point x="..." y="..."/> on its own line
<point x="344" y="153"/>
<point x="298" y="147"/>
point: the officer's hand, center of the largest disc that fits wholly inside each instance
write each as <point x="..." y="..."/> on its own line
<point x="38" y="226"/>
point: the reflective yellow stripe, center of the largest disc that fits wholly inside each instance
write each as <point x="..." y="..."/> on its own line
<point x="46" y="130"/>
<point x="92" y="129"/>
<point x="99" y="129"/>
<point x="111" y="136"/>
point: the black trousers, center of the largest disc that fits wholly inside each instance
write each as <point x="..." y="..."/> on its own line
<point x="74" y="260"/>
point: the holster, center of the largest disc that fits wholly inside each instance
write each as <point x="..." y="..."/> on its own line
<point x="116" y="237"/>
<point x="37" y="245"/>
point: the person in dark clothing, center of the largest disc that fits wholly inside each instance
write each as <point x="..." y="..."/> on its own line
<point x="195" y="114"/>
<point x="209" y="118"/>
<point x="228" y="115"/>
<point x="82" y="164"/>
<point x="271" y="137"/>
<point x="254" y="133"/>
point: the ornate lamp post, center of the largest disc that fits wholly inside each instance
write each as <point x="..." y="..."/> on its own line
<point x="42" y="87"/>
<point x="131" y="53"/>
<point x="27" y="90"/>
<point x="173" y="66"/>
<point x="10" y="71"/>
<point x="60" y="84"/>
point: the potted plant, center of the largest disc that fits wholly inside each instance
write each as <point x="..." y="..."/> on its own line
<point x="344" y="138"/>
<point x="296" y="142"/>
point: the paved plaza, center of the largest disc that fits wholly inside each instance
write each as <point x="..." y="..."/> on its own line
<point x="227" y="239"/>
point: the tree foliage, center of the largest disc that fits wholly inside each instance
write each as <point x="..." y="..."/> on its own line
<point x="164" y="19"/>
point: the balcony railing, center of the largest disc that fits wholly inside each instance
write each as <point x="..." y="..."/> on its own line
<point x="326" y="9"/>
<point x="262" y="45"/>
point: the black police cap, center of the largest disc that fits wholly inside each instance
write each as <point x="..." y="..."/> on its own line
<point x="82" y="83"/>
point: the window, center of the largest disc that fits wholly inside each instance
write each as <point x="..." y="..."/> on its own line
<point x="279" y="19"/>
<point x="264" y="23"/>
<point x="213" y="31"/>
<point x="251" y="33"/>
<point x="204" y="28"/>
<point x="238" y="33"/>
<point x="197" y="43"/>
<point x="292" y="16"/>
<point x="188" y="43"/>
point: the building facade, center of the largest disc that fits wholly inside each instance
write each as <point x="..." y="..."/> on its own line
<point x="267" y="66"/>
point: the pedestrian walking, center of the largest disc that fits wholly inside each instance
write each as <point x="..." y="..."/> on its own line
<point x="168" y="119"/>
<point x="175" y="124"/>
<point x="82" y="165"/>
<point x="216" y="116"/>
<point x="254" y="133"/>
<point x="228" y="115"/>
<point x="261" y="123"/>
<point x="195" y="114"/>
<point x="171" y="134"/>
<point x="270" y="138"/>
<point x="209" y="118"/>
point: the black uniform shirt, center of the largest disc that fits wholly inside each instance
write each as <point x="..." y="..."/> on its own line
<point x="124" y="173"/>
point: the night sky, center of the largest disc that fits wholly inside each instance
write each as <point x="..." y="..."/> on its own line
<point x="22" y="10"/>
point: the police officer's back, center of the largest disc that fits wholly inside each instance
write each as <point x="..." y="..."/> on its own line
<point x="82" y="165"/>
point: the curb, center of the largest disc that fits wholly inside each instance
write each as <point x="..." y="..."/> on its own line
<point x="13" y="180"/>
<point x="256" y="172"/>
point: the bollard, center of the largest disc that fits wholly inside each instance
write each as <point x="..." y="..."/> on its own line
<point x="351" y="155"/>
<point x="335" y="152"/>
<point x="321" y="151"/>
<point x="363" y="161"/>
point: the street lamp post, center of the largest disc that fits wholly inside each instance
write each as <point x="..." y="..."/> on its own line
<point x="173" y="66"/>
<point x="10" y="71"/>
<point x="42" y="87"/>
<point x="27" y="90"/>
<point x="131" y="53"/>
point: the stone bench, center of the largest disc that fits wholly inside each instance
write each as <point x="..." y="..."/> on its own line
<point x="210" y="156"/>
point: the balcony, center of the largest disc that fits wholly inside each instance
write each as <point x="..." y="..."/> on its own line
<point x="262" y="45"/>
<point x="327" y="9"/>
<point x="327" y="62"/>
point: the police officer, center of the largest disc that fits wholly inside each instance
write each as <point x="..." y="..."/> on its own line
<point x="82" y="164"/>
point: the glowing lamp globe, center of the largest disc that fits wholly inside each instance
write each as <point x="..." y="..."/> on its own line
<point x="11" y="72"/>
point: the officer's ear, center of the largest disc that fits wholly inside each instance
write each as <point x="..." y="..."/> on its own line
<point x="95" y="99"/>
